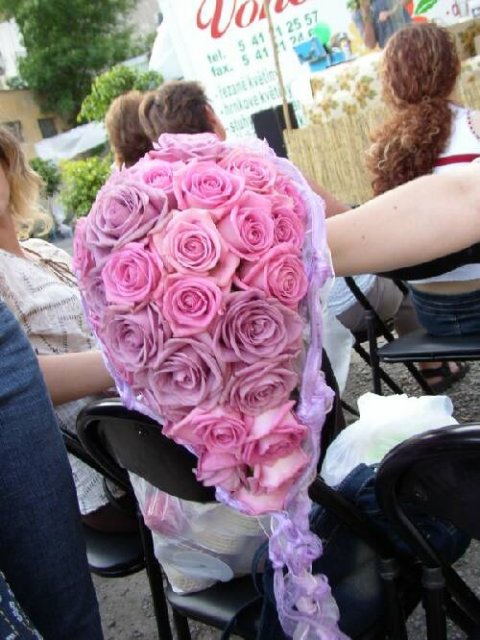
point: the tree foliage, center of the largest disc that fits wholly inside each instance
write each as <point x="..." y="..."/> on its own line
<point x="49" y="172"/>
<point x="107" y="86"/>
<point x="81" y="181"/>
<point x="68" y="42"/>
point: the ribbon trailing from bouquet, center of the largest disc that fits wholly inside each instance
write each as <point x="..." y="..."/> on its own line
<point x="200" y="269"/>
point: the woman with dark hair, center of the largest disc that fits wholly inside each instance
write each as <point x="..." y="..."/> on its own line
<point x="127" y="138"/>
<point x="179" y="106"/>
<point x="428" y="132"/>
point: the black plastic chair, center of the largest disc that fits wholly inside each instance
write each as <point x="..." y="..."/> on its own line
<point x="119" y="439"/>
<point x="420" y="346"/>
<point x="117" y="555"/>
<point x="110" y="555"/>
<point x="438" y="473"/>
<point x="376" y="328"/>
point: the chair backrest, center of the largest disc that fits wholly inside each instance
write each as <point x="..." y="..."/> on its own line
<point x="438" y="472"/>
<point x="118" y="437"/>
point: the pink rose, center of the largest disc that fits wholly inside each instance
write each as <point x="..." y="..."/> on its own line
<point x="123" y="211"/>
<point x="220" y="470"/>
<point x="254" y="327"/>
<point x="273" y="434"/>
<point x="134" y="339"/>
<point x="268" y="488"/>
<point x="190" y="304"/>
<point x="248" y="229"/>
<point x="205" y="185"/>
<point x="289" y="227"/>
<point x="133" y="275"/>
<point x="187" y="146"/>
<point x="260" y="386"/>
<point x="188" y="374"/>
<point x="93" y="292"/>
<point x="280" y="273"/>
<point x="287" y="187"/>
<point x="191" y="244"/>
<point x="219" y="430"/>
<point x="83" y="261"/>
<point x="158" y="174"/>
<point x="259" y="172"/>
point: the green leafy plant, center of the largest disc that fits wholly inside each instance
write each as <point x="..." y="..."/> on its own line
<point x="81" y="181"/>
<point x="107" y="86"/>
<point x="49" y="172"/>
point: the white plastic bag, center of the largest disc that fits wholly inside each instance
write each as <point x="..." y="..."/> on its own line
<point x="199" y="544"/>
<point x="384" y="422"/>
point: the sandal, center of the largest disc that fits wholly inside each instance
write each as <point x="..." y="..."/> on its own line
<point x="448" y="376"/>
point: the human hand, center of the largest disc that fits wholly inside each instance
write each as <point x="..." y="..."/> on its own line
<point x="383" y="16"/>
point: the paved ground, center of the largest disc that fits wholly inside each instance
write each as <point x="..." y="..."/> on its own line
<point x="125" y="603"/>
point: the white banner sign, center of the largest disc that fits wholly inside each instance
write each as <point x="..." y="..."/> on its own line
<point x="225" y="45"/>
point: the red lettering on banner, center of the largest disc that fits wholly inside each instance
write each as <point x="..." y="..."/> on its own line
<point x="220" y="19"/>
<point x="216" y="30"/>
<point x="239" y="18"/>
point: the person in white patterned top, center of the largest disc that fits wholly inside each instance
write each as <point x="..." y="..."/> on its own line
<point x="37" y="284"/>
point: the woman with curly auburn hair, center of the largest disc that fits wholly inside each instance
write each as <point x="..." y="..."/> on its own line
<point x="419" y="71"/>
<point x="429" y="132"/>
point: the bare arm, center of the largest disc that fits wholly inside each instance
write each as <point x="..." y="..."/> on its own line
<point x="369" y="37"/>
<point x="332" y="205"/>
<point x="427" y="218"/>
<point x="71" y="376"/>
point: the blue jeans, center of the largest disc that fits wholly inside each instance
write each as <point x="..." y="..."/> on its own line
<point x="448" y="315"/>
<point x="42" y="551"/>
<point x="351" y="565"/>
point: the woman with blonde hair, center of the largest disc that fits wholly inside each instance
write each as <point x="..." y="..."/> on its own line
<point x="37" y="284"/>
<point x="428" y="131"/>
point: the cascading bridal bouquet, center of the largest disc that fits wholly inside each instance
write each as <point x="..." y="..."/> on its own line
<point x="200" y="269"/>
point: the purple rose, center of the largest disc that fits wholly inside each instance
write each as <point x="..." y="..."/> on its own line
<point x="132" y="275"/>
<point x="260" y="386"/>
<point x="134" y="339"/>
<point x="254" y="327"/>
<point x="187" y="375"/>
<point x="123" y="212"/>
<point x="83" y="261"/>
<point x="93" y="292"/>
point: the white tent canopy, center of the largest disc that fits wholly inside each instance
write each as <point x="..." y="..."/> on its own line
<point x="72" y="143"/>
